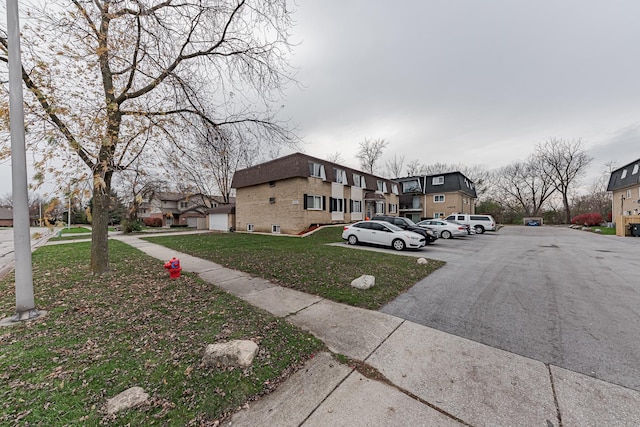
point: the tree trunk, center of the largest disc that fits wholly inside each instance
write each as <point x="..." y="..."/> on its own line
<point x="567" y="209"/>
<point x="99" y="233"/>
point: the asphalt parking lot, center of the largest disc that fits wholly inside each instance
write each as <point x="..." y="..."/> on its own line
<point x="557" y="295"/>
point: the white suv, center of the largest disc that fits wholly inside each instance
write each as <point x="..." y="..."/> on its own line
<point x="480" y="223"/>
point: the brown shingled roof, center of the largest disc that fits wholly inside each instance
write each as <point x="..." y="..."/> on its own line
<point x="296" y="165"/>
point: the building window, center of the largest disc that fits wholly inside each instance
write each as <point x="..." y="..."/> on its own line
<point x="437" y="180"/>
<point x="317" y="170"/>
<point x="439" y="215"/>
<point x="628" y="194"/>
<point x="272" y="200"/>
<point x="336" y="205"/>
<point x="381" y="186"/>
<point x="358" y="181"/>
<point x="412" y="186"/>
<point x="465" y="201"/>
<point x="393" y="208"/>
<point x="379" y="208"/>
<point x="356" y="206"/>
<point x="313" y="203"/>
<point x="275" y="229"/>
<point x="143" y="211"/>
<point x="184" y="204"/>
<point x="250" y="227"/>
<point x="340" y="176"/>
<point x="394" y="188"/>
<point x="624" y="174"/>
<point x="635" y="169"/>
<point x="438" y="198"/>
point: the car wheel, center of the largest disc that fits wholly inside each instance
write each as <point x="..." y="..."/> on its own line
<point x="479" y="229"/>
<point x="398" y="245"/>
<point x="446" y="234"/>
<point x="353" y="240"/>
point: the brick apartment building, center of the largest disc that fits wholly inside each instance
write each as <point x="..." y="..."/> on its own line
<point x="290" y="194"/>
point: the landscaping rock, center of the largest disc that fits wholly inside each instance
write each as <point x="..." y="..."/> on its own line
<point x="130" y="398"/>
<point x="233" y="353"/>
<point x="597" y="230"/>
<point x="422" y="261"/>
<point x="585" y="229"/>
<point x="364" y="282"/>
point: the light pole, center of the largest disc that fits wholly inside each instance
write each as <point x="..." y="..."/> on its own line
<point x="25" y="305"/>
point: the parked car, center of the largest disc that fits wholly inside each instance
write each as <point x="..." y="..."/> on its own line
<point x="533" y="223"/>
<point x="480" y="223"/>
<point x="382" y="233"/>
<point x="406" y="224"/>
<point x="445" y="229"/>
<point x="466" y="227"/>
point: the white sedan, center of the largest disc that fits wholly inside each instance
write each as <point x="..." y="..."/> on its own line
<point x="382" y="233"/>
<point x="445" y="229"/>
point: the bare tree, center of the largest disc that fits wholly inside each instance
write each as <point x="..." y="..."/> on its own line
<point x="415" y="168"/>
<point x="335" y="157"/>
<point x="522" y="187"/>
<point x="209" y="162"/>
<point x="395" y="166"/>
<point x="369" y="152"/>
<point x="563" y="163"/>
<point x="111" y="80"/>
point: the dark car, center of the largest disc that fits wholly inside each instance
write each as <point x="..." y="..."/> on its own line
<point x="407" y="224"/>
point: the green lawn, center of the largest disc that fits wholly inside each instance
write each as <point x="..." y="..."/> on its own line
<point x="75" y="230"/>
<point x="308" y="264"/>
<point x="132" y="327"/>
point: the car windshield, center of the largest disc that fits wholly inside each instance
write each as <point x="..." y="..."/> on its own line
<point x="393" y="227"/>
<point x="411" y="223"/>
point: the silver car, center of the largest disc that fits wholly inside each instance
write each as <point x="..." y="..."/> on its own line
<point x="382" y="233"/>
<point x="445" y="229"/>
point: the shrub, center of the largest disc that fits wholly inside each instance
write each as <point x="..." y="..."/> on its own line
<point x="131" y="226"/>
<point x="178" y="225"/>
<point x="153" y="222"/>
<point x="588" y="219"/>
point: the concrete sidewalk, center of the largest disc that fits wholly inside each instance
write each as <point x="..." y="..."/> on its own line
<point x="430" y="377"/>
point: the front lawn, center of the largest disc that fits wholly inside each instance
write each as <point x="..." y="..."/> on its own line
<point x="308" y="264"/>
<point x="132" y="327"/>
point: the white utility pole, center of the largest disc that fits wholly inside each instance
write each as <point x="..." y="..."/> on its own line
<point x="25" y="305"/>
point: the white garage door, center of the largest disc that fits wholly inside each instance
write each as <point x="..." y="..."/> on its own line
<point x="218" y="222"/>
<point x="192" y="222"/>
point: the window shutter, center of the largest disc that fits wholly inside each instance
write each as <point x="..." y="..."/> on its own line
<point x="350" y="205"/>
<point x="344" y="205"/>
<point x="324" y="203"/>
<point x="332" y="204"/>
<point x="305" y="201"/>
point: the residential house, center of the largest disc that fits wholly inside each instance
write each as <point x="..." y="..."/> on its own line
<point x="291" y="194"/>
<point x="178" y="208"/>
<point x="435" y="196"/>
<point x="6" y="216"/>
<point x="625" y="185"/>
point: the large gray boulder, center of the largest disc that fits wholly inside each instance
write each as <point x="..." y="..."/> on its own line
<point x="364" y="282"/>
<point x="233" y="353"/>
<point x="130" y="398"/>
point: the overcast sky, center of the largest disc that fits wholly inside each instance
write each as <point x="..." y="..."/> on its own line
<point x="477" y="82"/>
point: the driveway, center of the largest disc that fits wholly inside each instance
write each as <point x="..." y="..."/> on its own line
<point x="560" y="296"/>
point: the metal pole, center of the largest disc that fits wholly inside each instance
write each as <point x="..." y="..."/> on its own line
<point x="25" y="305"/>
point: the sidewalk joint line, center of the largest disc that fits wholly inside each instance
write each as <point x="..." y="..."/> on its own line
<point x="407" y="393"/>
<point x="555" y="396"/>
<point x="328" y="394"/>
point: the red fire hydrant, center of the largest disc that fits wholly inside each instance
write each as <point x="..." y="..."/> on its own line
<point x="173" y="266"/>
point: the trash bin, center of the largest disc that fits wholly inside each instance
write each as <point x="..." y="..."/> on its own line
<point x="635" y="229"/>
